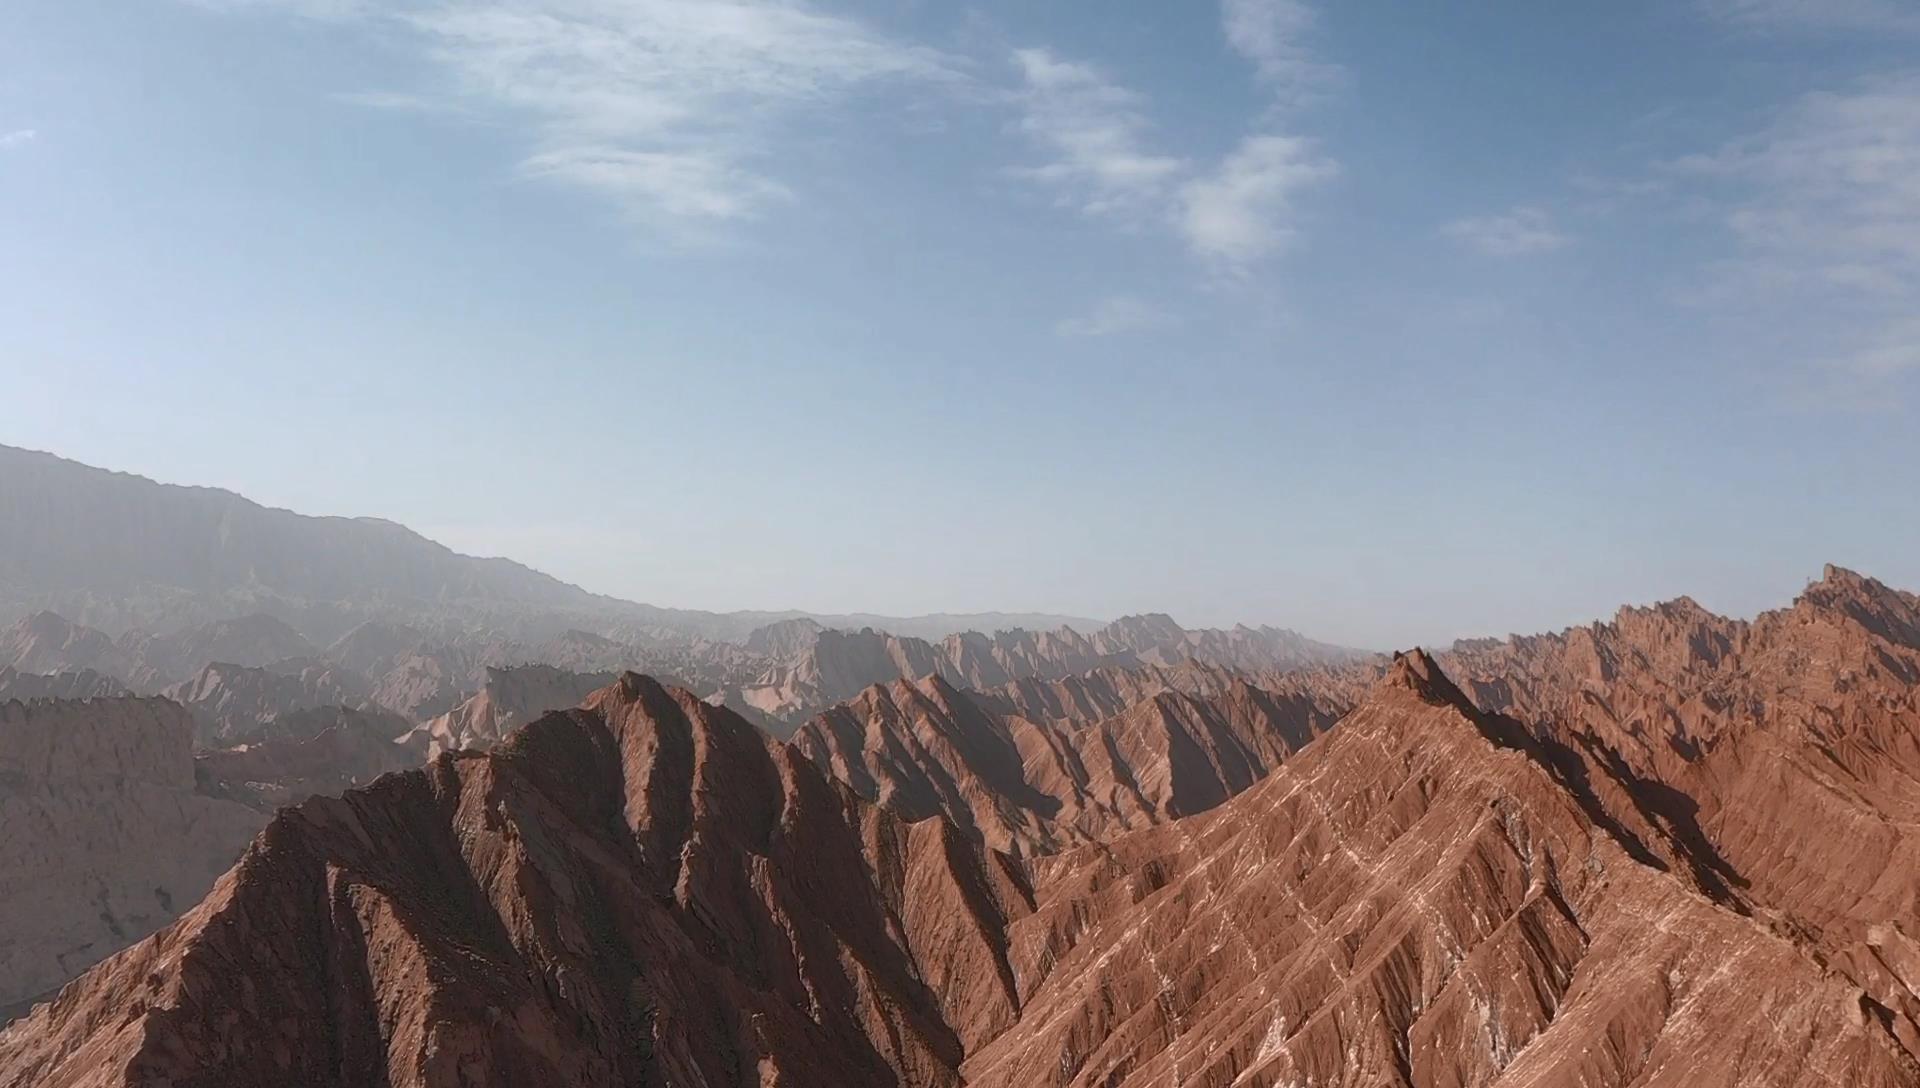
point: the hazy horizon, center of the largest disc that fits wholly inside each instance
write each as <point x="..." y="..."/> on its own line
<point x="1080" y="620"/>
<point x="1387" y="326"/>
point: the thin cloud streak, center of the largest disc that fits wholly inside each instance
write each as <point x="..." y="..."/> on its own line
<point x="1243" y="211"/>
<point x="1271" y="34"/>
<point x="1824" y="204"/>
<point x="670" y="108"/>
<point x="1521" y="232"/>
<point x="1817" y="15"/>
<point x="1092" y="130"/>
<point x="18" y="138"/>
<point x="1117" y="315"/>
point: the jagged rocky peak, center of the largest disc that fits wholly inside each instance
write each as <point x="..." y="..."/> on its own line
<point x="784" y="639"/>
<point x="1887" y="612"/>
<point x="84" y="684"/>
<point x="643" y="890"/>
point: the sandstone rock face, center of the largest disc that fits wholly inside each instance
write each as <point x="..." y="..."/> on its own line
<point x="1782" y="753"/>
<point x="46" y="642"/>
<point x="323" y="751"/>
<point x="85" y="684"/>
<point x="230" y="701"/>
<point x="103" y="835"/>
<point x="253" y="641"/>
<point x="1421" y="897"/>
<point x="1018" y="770"/>
<point x="642" y="891"/>
<point x="1666" y="851"/>
<point x="840" y="664"/>
<point x="511" y="698"/>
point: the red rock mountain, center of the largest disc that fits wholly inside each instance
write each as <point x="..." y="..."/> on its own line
<point x="1024" y="771"/>
<point x="326" y="750"/>
<point x="642" y="891"/>
<point x="510" y="698"/>
<point x="1782" y="754"/>
<point x="838" y="665"/>
<point x="1421" y="897"/>
<point x="230" y="701"/>
<point x="1671" y="850"/>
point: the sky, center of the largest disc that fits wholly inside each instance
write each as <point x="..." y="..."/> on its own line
<point x="1389" y="323"/>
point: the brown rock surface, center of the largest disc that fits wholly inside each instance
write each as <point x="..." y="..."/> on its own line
<point x="840" y="664"/>
<point x="46" y="642"/>
<point x="1681" y="853"/>
<point x="1024" y="771"/>
<point x="85" y="684"/>
<point x="1418" y="898"/>
<point x="327" y="750"/>
<point x="230" y="701"/>
<point x="105" y="837"/>
<point x="641" y="891"/>
<point x="510" y="698"/>
<point x="1781" y="754"/>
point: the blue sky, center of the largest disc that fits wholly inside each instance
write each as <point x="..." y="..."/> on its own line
<point x="1386" y="322"/>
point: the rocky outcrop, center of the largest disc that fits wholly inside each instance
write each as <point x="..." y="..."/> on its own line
<point x="1422" y="897"/>
<point x="647" y="891"/>
<point x="229" y="702"/>
<point x="106" y="837"/>
<point x="840" y="664"/>
<point x="46" y="642"/>
<point x="158" y="660"/>
<point x="785" y="640"/>
<point x="1782" y="753"/>
<point x="1035" y="779"/>
<point x="1665" y="851"/>
<point x="511" y="698"/>
<point x="641" y="891"/>
<point x="323" y="751"/>
<point x="85" y="684"/>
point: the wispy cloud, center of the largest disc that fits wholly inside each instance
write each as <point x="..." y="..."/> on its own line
<point x="1521" y="232"/>
<point x="1093" y="133"/>
<point x="309" y="9"/>
<point x="1831" y="15"/>
<point x="17" y="138"/>
<point x="667" y="105"/>
<point x="1272" y="34"/>
<point x="1116" y="316"/>
<point x="1242" y="210"/>
<point x="1830" y="192"/>
<point x="1824" y="205"/>
<point x="673" y="108"/>
<point x="1231" y="214"/>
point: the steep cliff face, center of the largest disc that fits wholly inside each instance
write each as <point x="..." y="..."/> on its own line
<point x="839" y="665"/>
<point x="1035" y="779"/>
<point x="46" y="642"/>
<point x="511" y="697"/>
<point x="230" y="701"/>
<point x="1417" y="898"/>
<point x="1783" y="753"/>
<point x="106" y="838"/>
<point x="1670" y="850"/>
<point x="327" y="750"/>
<point x="641" y="891"/>
<point x="85" y="684"/>
<point x="647" y="891"/>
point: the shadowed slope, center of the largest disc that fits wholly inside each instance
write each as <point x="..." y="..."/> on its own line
<point x="641" y="891"/>
<point x="1410" y="901"/>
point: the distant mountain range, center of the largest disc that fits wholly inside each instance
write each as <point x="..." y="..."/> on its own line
<point x="117" y="551"/>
